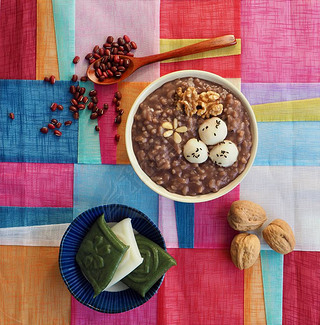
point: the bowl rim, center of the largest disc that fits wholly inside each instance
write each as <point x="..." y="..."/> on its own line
<point x="209" y="76"/>
<point x="63" y="269"/>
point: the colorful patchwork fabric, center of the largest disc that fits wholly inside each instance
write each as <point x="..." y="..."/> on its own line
<point x="47" y="181"/>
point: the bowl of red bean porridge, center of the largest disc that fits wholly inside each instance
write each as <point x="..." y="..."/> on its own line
<point x="191" y="136"/>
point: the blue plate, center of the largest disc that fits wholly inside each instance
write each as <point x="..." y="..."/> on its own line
<point x="80" y="288"/>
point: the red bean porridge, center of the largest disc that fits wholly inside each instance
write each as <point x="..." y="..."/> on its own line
<point x="161" y="158"/>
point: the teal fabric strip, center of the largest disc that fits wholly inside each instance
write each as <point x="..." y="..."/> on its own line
<point x="88" y="140"/>
<point x="64" y="22"/>
<point x="185" y="224"/>
<point x="272" y="276"/>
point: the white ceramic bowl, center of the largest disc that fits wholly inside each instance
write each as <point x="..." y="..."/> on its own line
<point x="157" y="84"/>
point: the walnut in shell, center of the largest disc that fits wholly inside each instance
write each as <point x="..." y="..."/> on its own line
<point x="279" y="236"/>
<point x="245" y="250"/>
<point x="246" y="215"/>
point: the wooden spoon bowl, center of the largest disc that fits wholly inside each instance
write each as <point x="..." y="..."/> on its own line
<point x="136" y="63"/>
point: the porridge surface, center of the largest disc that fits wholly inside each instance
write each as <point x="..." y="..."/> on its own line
<point x="161" y="158"/>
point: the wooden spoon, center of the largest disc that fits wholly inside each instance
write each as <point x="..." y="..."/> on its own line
<point x="136" y="63"/>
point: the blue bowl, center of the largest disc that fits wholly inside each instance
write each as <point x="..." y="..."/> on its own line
<point x="80" y="288"/>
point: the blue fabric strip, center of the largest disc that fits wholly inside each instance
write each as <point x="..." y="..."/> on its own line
<point x="185" y="224"/>
<point x="89" y="143"/>
<point x="21" y="139"/>
<point x="288" y="144"/>
<point x="272" y="276"/>
<point x="64" y="22"/>
<point x="96" y="185"/>
<point x="22" y="216"/>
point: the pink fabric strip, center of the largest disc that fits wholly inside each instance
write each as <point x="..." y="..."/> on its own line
<point x="138" y="19"/>
<point x="211" y="227"/>
<point x="108" y="129"/>
<point x="301" y="288"/>
<point x="18" y="29"/>
<point x="143" y="315"/>
<point x="36" y="185"/>
<point x="280" y="41"/>
<point x="167" y="222"/>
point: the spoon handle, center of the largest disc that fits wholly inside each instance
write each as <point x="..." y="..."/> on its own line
<point x="211" y="44"/>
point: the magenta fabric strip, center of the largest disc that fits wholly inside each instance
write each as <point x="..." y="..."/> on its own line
<point x="280" y="41"/>
<point x="143" y="315"/>
<point x="210" y="219"/>
<point x="108" y="129"/>
<point x="18" y="35"/>
<point x="301" y="288"/>
<point x="36" y="185"/>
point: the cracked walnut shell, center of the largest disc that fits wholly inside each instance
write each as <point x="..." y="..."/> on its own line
<point x="246" y="215"/>
<point x="244" y="250"/>
<point x="279" y="236"/>
<point x="205" y="104"/>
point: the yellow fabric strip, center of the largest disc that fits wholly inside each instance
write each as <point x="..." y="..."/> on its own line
<point x="172" y="44"/>
<point x="46" y="57"/>
<point x="130" y="91"/>
<point x="254" y="310"/>
<point x="295" y="110"/>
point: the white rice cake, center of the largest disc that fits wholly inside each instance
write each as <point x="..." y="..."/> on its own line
<point x="132" y="258"/>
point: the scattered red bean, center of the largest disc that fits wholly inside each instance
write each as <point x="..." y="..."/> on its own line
<point x="80" y="98"/>
<point x="126" y="38"/>
<point x="76" y="115"/>
<point x="67" y="123"/>
<point x="60" y="107"/>
<point x="58" y="125"/>
<point x="81" y="107"/>
<point x="90" y="105"/>
<point x="121" y="111"/>
<point x="118" y="108"/>
<point x="85" y="99"/>
<point x="53" y="107"/>
<point x="97" y="128"/>
<point x="11" y="115"/>
<point x="110" y="39"/>
<point x="74" y="78"/>
<point x="118" y="103"/>
<point x="105" y="106"/>
<point x="51" y="126"/>
<point x="73" y="109"/>
<point x="84" y="78"/>
<point x="92" y="93"/>
<point x="57" y="133"/>
<point x="52" y="79"/>
<point x="93" y="116"/>
<point x="94" y="100"/>
<point x="46" y="79"/>
<point x="117" y="137"/>
<point x="76" y="59"/>
<point x="82" y="90"/>
<point x="114" y="100"/>
<point x="76" y="95"/>
<point x="88" y="56"/>
<point x="54" y="121"/>
<point x="44" y="130"/>
<point x="133" y="45"/>
<point x="94" y="108"/>
<point x="117" y="120"/>
<point x="100" y="111"/>
<point x="74" y="102"/>
<point x="72" y="89"/>
<point x="95" y="49"/>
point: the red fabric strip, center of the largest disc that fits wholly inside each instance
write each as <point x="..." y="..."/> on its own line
<point x="199" y="19"/>
<point x="36" y="185"/>
<point x="204" y="288"/>
<point x="18" y="29"/>
<point x="108" y="129"/>
<point x="143" y="315"/>
<point x="301" y="288"/>
<point x="211" y="228"/>
<point x="227" y="67"/>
